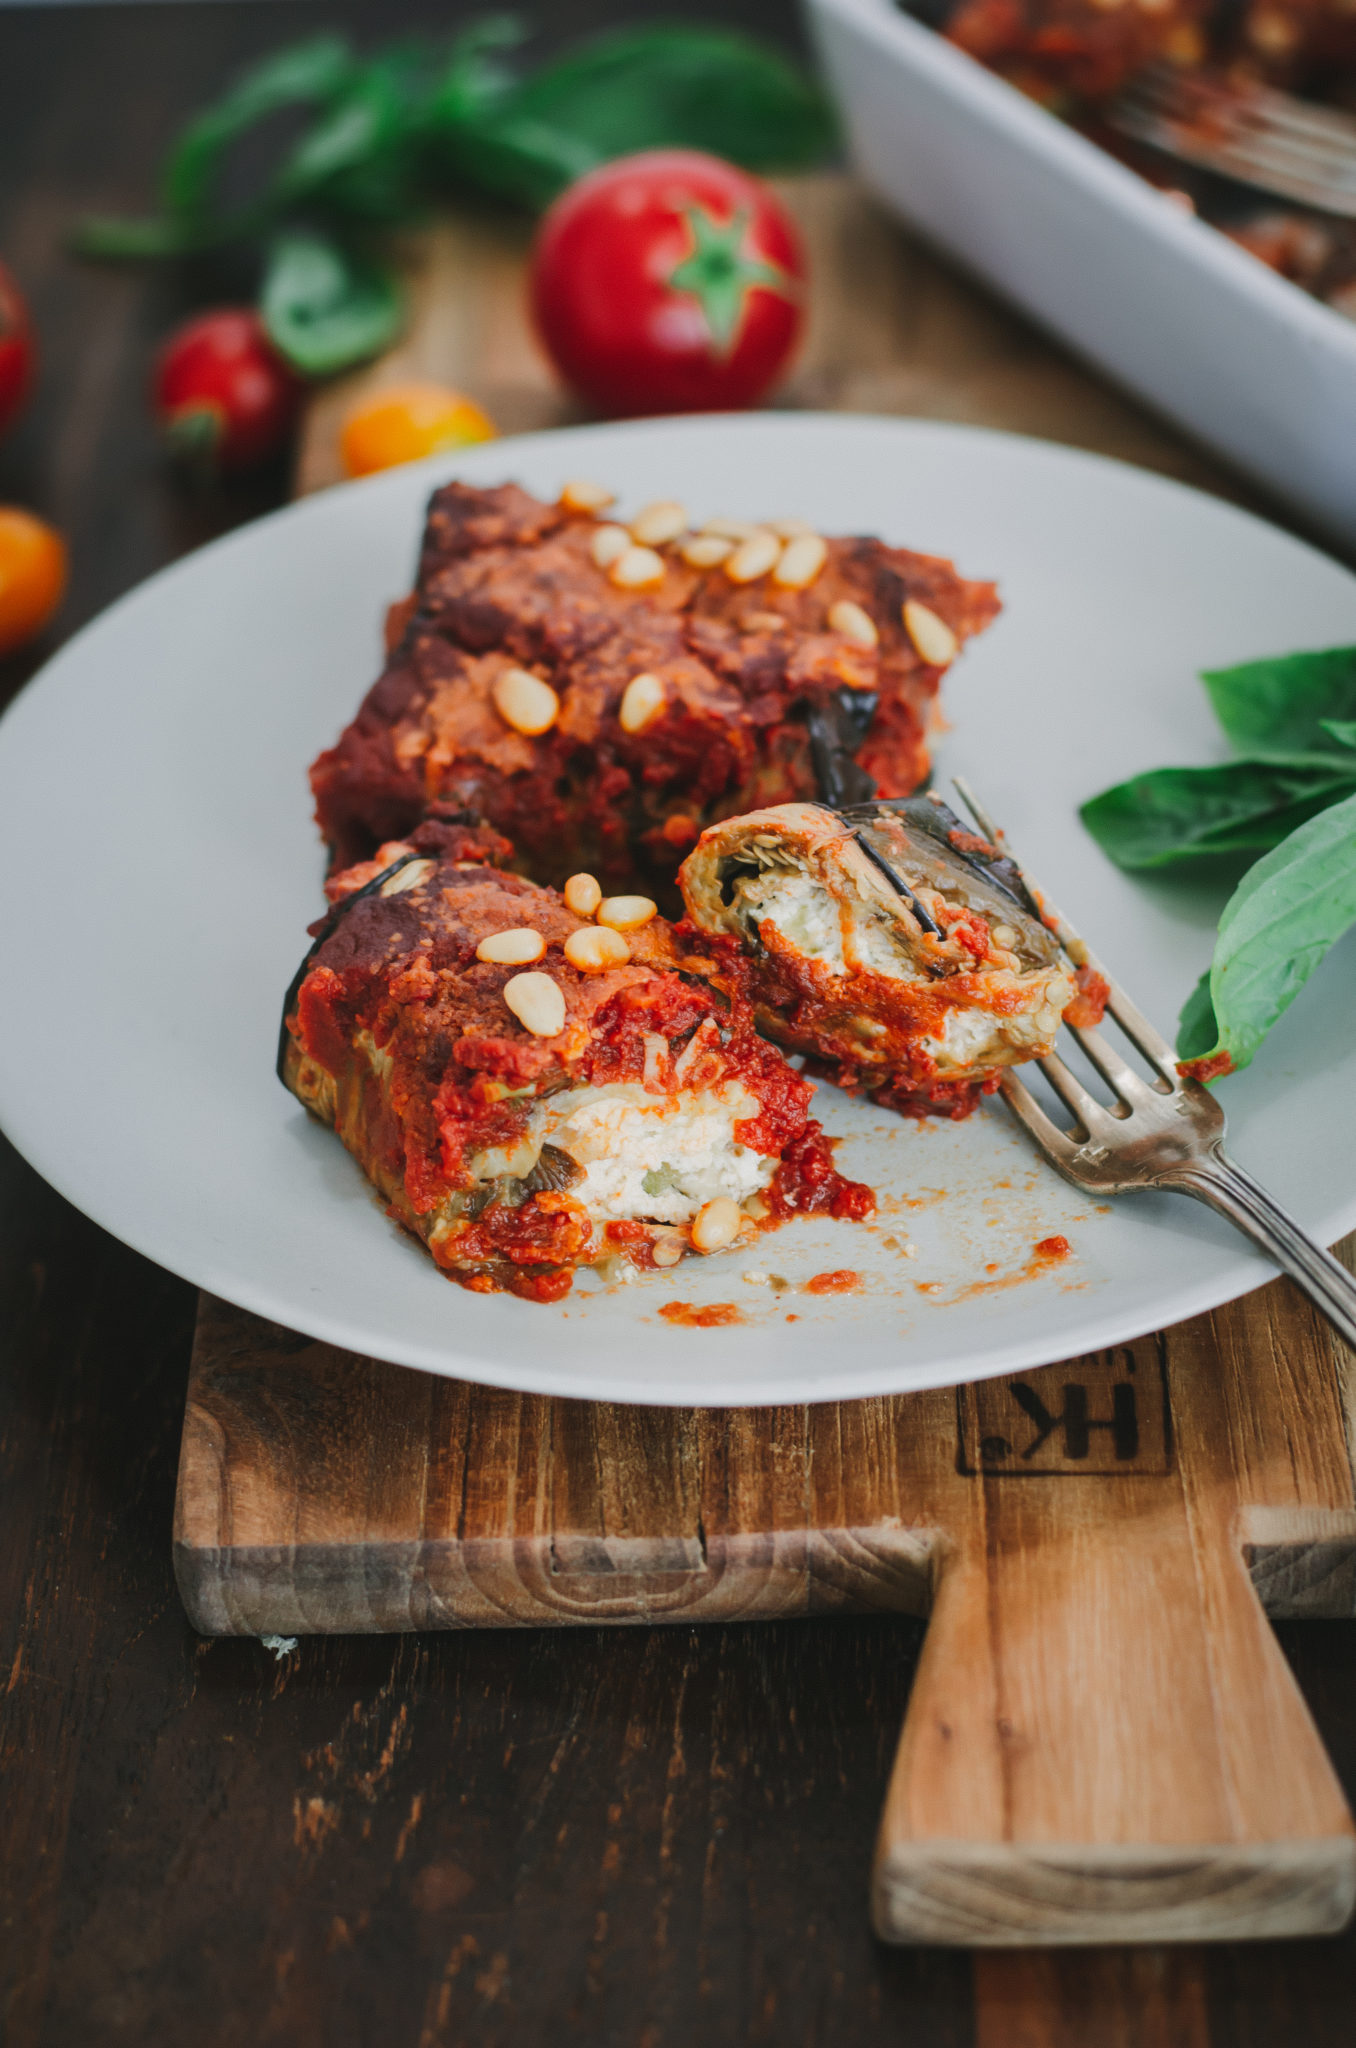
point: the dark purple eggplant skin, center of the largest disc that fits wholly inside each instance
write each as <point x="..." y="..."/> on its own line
<point x="919" y="841"/>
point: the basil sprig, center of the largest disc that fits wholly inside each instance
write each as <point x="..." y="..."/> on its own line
<point x="1290" y="794"/>
<point x="377" y="142"/>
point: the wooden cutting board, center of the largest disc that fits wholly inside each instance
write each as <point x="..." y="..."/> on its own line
<point x="1103" y="1743"/>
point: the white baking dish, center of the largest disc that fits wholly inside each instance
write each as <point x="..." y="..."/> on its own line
<point x="1243" y="360"/>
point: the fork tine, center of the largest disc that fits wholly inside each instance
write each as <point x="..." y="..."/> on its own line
<point x="1258" y="136"/>
<point x="1141" y="1032"/>
<point x="1099" y="1050"/>
<point x="1059" y="1146"/>
<point x="1092" y="1115"/>
<point x="1187" y="94"/>
<point x="1133" y="1023"/>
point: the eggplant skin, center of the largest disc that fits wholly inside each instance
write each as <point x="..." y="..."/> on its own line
<point x="903" y="964"/>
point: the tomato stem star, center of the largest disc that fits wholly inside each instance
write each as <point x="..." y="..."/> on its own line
<point x="720" y="273"/>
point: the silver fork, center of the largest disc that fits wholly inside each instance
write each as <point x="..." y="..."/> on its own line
<point x="1164" y="1133"/>
<point x="1252" y="133"/>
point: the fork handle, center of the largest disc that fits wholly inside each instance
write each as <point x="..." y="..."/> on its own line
<point x="1315" y="1272"/>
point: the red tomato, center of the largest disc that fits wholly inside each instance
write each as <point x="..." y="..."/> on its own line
<point x="18" y="351"/>
<point x="668" y="282"/>
<point x="224" y="397"/>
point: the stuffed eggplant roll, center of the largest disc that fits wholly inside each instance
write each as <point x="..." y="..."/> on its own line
<point x="600" y="692"/>
<point x="888" y="943"/>
<point x="538" y="1082"/>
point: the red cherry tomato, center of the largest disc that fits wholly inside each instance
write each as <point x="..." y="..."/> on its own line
<point x="668" y="282"/>
<point x="224" y="397"/>
<point x="18" y="351"/>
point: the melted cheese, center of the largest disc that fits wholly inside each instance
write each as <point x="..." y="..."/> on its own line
<point x="684" y="1143"/>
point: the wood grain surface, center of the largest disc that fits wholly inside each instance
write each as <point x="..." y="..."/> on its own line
<point x="1103" y="1742"/>
<point x="491" y="1838"/>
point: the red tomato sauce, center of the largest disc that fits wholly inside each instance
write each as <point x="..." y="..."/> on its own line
<point x="691" y="1317"/>
<point x="841" y="1281"/>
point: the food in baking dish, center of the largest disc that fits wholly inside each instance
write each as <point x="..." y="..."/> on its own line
<point x="895" y="947"/>
<point x="1058" y="50"/>
<point x="536" y="1087"/>
<point x="600" y="692"/>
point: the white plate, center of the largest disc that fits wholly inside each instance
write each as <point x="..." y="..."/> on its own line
<point x="1235" y="354"/>
<point x="161" y="867"/>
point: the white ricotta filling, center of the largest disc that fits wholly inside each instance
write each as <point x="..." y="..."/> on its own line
<point x="972" y="1036"/>
<point x="654" y="1158"/>
<point x="840" y="937"/>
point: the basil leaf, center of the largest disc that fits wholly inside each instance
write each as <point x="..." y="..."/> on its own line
<point x="1343" y="730"/>
<point x="1179" y="814"/>
<point x="1197" y="1031"/>
<point x="304" y="74"/>
<point x="325" y="307"/>
<point x="1289" y="910"/>
<point x="635" y="89"/>
<point x="358" y="157"/>
<point x="1284" y="705"/>
<point x="100" y="235"/>
<point x="698" y="88"/>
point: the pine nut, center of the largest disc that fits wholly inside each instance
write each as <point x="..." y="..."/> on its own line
<point x="801" y="561"/>
<point x="753" y="557"/>
<point x="594" y="949"/>
<point x="663" y="521"/>
<point x="853" y="623"/>
<point x="666" y="1251"/>
<point x="512" y="949"/>
<point x="716" y="1225"/>
<point x="537" y="1002"/>
<point x="705" y="550"/>
<point x="642" y="702"/>
<point x="582" y="895"/>
<point x="579" y="495"/>
<point x="789" y="529"/>
<point x="607" y="544"/>
<point x="932" y="636"/>
<point x="730" y="529"/>
<point x="637" y="569"/>
<point x="626" y="913"/>
<point x="525" y="702"/>
<point x="408" y="877"/>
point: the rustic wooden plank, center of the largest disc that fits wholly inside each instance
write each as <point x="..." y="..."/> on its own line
<point x="1132" y="1760"/>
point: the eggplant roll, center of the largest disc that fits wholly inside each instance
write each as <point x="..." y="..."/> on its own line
<point x="534" y="1090"/>
<point x="600" y="694"/>
<point x="894" y="947"/>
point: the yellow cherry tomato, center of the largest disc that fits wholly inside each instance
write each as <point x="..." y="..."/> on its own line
<point x="32" y="575"/>
<point x="408" y="421"/>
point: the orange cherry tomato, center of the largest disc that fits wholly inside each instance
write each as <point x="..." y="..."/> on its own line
<point x="408" y="421"/>
<point x="32" y="575"/>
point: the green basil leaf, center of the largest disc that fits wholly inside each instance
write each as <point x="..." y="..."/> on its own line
<point x="1343" y="730"/>
<point x="522" y="161"/>
<point x="473" y="80"/>
<point x="99" y="235"/>
<point x="1283" y="705"/>
<point x="1197" y="1031"/>
<point x="1181" y="814"/>
<point x="699" y="88"/>
<point x="1289" y="910"/>
<point x="304" y="74"/>
<point x="325" y="307"/>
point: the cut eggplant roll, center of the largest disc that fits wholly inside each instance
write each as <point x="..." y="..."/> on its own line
<point x="892" y="946"/>
<point x="533" y="1091"/>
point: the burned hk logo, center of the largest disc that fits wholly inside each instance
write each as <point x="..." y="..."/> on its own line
<point x="1112" y="1418"/>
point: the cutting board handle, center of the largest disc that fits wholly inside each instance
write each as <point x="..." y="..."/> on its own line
<point x="1104" y="1742"/>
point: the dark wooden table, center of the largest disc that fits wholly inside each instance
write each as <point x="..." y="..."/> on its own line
<point x="656" y="1838"/>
